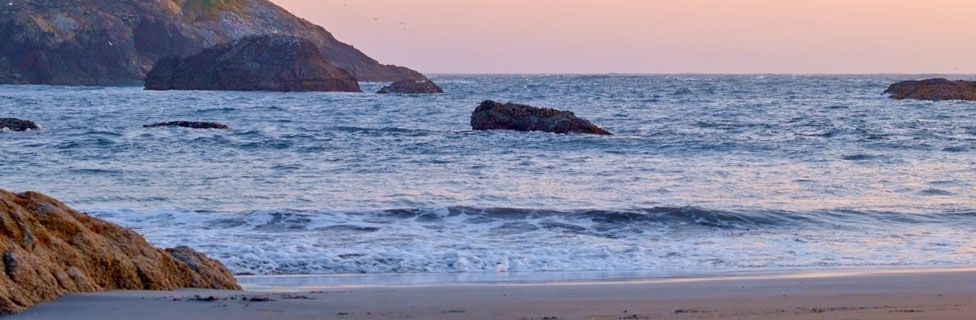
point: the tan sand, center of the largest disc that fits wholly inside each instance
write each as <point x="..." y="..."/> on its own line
<point x="901" y="294"/>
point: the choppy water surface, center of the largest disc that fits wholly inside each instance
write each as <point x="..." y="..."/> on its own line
<point x="704" y="173"/>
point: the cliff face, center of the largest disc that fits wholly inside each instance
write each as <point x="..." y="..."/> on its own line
<point x="48" y="250"/>
<point x="103" y="42"/>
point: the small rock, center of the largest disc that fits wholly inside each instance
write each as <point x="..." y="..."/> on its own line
<point x="9" y="264"/>
<point x="491" y="115"/>
<point x="14" y="124"/>
<point x="189" y="124"/>
<point x="411" y="87"/>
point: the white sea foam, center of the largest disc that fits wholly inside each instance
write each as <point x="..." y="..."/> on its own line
<point x="468" y="240"/>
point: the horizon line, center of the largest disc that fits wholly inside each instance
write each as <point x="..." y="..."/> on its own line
<point x="692" y="73"/>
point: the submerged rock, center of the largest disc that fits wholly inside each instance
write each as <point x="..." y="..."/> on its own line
<point x="103" y="42"/>
<point x="269" y="63"/>
<point x="50" y="250"/>
<point x="491" y="115"/>
<point x="933" y="89"/>
<point x="13" y="124"/>
<point x="189" y="124"/>
<point x="411" y="87"/>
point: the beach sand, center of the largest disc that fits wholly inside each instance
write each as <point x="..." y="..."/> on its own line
<point x="876" y="294"/>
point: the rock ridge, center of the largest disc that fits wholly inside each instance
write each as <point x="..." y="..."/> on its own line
<point x="49" y="250"/>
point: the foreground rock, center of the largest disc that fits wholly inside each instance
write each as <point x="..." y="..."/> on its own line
<point x="102" y="42"/>
<point x="933" y="89"/>
<point x="13" y="124"/>
<point x="268" y="63"/>
<point x="189" y="124"/>
<point x="491" y="115"/>
<point x="49" y="250"/>
<point x="411" y="87"/>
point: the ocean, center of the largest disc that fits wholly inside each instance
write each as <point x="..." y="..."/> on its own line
<point x="706" y="173"/>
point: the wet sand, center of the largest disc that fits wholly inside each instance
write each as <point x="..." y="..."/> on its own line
<point x="892" y="294"/>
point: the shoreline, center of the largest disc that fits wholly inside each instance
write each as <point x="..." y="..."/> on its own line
<point x="902" y="293"/>
<point x="298" y="282"/>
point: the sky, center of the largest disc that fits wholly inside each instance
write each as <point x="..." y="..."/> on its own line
<point x="656" y="36"/>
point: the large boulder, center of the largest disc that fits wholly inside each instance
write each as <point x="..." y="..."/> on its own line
<point x="491" y="115"/>
<point x="269" y="63"/>
<point x="49" y="250"/>
<point x="103" y="42"/>
<point x="188" y="124"/>
<point x="933" y="89"/>
<point x="13" y="124"/>
<point x="411" y="87"/>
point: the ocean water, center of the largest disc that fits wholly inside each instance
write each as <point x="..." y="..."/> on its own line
<point x="709" y="173"/>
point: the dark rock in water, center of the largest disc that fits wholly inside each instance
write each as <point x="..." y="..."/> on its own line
<point x="412" y="87"/>
<point x="103" y="42"/>
<point x="188" y="124"/>
<point x="270" y="63"/>
<point x="933" y="89"/>
<point x="17" y="124"/>
<point x="491" y="115"/>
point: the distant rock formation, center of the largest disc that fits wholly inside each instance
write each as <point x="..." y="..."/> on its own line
<point x="49" y="250"/>
<point x="933" y="89"/>
<point x="101" y="42"/>
<point x="411" y="87"/>
<point x="491" y="115"/>
<point x="188" y="124"/>
<point x="269" y="63"/>
<point x="13" y="124"/>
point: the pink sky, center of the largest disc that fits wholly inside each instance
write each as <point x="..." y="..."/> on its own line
<point x="656" y="36"/>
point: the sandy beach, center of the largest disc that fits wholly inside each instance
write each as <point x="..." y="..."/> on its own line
<point x="876" y="294"/>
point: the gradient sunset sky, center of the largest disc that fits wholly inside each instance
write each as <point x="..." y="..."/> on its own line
<point x="656" y="36"/>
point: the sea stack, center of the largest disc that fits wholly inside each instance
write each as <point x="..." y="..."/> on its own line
<point x="933" y="90"/>
<point x="266" y="63"/>
<point x="412" y="87"/>
<point x="49" y="250"/>
<point x="491" y="115"/>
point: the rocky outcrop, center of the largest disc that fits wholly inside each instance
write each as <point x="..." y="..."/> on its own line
<point x="13" y="124"/>
<point x="411" y="87"/>
<point x="268" y="63"/>
<point x="491" y="115"/>
<point x="102" y="42"/>
<point x="49" y="250"/>
<point x="933" y="89"/>
<point x="189" y="124"/>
